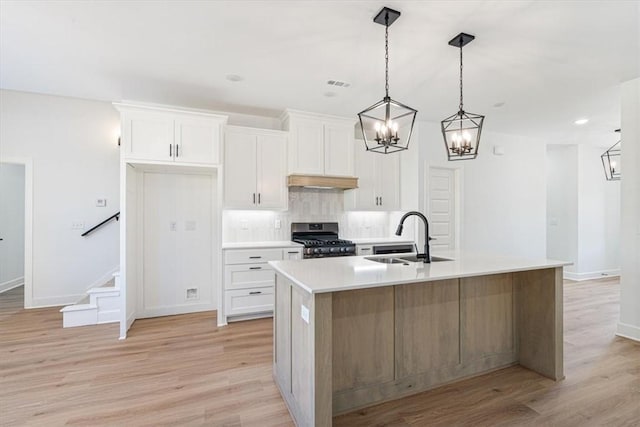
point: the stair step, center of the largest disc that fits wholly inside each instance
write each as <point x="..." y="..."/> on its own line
<point x="78" y="307"/>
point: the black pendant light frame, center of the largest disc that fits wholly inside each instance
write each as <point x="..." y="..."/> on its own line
<point x="386" y="138"/>
<point x="611" y="161"/>
<point x="461" y="131"/>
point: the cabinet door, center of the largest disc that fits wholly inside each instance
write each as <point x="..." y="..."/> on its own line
<point x="306" y="155"/>
<point x="338" y="152"/>
<point x="148" y="136"/>
<point x="271" y="152"/>
<point x="365" y="197"/>
<point x="240" y="170"/>
<point x="197" y="140"/>
<point x="388" y="181"/>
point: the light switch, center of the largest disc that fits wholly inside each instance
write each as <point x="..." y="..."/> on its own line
<point x="304" y="312"/>
<point x="101" y="203"/>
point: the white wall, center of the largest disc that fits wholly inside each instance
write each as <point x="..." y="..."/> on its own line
<point x="629" y="325"/>
<point x="562" y="204"/>
<point x="583" y="212"/>
<point x="73" y="145"/>
<point x="12" y="193"/>
<point x="598" y="216"/>
<point x="504" y="197"/>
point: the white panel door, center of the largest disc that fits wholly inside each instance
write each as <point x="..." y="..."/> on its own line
<point x="177" y="245"/>
<point x="338" y="150"/>
<point x="271" y="152"/>
<point x="307" y="154"/>
<point x="197" y="140"/>
<point x="148" y="136"/>
<point x="240" y="170"/>
<point x="442" y="222"/>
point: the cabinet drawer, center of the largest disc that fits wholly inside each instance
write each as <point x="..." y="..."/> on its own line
<point x="252" y="256"/>
<point x="248" y="301"/>
<point x="292" y="253"/>
<point x="248" y="276"/>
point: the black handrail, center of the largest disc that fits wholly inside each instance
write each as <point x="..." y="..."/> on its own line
<point x="116" y="216"/>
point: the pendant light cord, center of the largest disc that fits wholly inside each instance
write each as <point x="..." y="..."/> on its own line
<point x="386" y="55"/>
<point x="461" y="107"/>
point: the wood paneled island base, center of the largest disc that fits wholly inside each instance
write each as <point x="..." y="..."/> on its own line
<point x="338" y="351"/>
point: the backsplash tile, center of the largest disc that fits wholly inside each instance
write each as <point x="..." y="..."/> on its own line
<point x="305" y="205"/>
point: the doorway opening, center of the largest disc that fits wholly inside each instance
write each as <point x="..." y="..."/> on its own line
<point x="15" y="232"/>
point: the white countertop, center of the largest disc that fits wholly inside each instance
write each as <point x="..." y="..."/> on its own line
<point x="380" y="240"/>
<point x="262" y="245"/>
<point x="355" y="272"/>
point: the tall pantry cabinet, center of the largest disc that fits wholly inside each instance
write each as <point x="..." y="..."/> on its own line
<point x="170" y="194"/>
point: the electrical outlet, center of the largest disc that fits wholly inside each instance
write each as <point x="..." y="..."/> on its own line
<point x="77" y="225"/>
<point x="173" y="226"/>
<point x="244" y="224"/>
<point x="278" y="224"/>
<point x="101" y="203"/>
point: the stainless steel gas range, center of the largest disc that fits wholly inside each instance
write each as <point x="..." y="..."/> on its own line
<point x="320" y="240"/>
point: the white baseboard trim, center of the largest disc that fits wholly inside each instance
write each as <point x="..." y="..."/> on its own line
<point x="57" y="301"/>
<point x="175" y="310"/>
<point x="10" y="284"/>
<point x="631" y="332"/>
<point x="578" y="277"/>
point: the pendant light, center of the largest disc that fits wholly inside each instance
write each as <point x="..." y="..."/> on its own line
<point x="611" y="161"/>
<point x="387" y="125"/>
<point x="461" y="131"/>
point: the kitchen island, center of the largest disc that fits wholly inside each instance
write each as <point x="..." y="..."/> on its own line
<point x="350" y="332"/>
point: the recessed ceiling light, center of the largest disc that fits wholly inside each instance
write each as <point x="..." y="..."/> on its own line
<point x="234" y="78"/>
<point x="330" y="94"/>
<point x="581" y="121"/>
<point x="499" y="104"/>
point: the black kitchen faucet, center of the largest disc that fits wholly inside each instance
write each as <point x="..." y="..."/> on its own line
<point x="426" y="258"/>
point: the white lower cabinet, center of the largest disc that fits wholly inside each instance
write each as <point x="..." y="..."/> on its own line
<point x="249" y="281"/>
<point x="249" y="301"/>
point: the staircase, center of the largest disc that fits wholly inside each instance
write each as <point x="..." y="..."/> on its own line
<point x="101" y="305"/>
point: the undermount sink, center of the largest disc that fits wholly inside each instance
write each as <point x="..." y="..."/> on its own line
<point x="388" y="260"/>
<point x="416" y="259"/>
<point x="405" y="260"/>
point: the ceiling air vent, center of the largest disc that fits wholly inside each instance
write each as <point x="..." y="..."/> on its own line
<point x="338" y="83"/>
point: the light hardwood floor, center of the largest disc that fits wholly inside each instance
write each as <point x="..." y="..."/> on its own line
<point x="182" y="370"/>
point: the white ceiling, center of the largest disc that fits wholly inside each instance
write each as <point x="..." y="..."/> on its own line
<point x="550" y="62"/>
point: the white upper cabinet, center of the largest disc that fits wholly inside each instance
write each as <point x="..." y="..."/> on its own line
<point x="255" y="169"/>
<point x="318" y="144"/>
<point x="378" y="181"/>
<point x="161" y="134"/>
